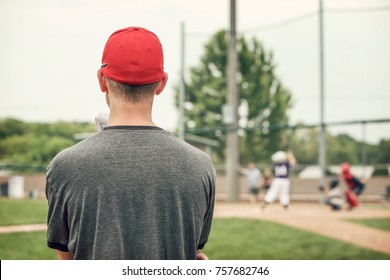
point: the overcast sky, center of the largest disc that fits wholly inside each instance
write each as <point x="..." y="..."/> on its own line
<point x="50" y="51"/>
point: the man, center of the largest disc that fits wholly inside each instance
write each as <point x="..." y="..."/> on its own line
<point x="334" y="196"/>
<point x="132" y="191"/>
<point x="253" y="177"/>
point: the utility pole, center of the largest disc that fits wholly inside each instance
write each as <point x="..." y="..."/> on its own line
<point x="322" y="153"/>
<point x="364" y="159"/>
<point x="182" y="84"/>
<point x="232" y="105"/>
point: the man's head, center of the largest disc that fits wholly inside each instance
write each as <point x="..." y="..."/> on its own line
<point x="133" y="56"/>
<point x="345" y="168"/>
<point x="132" y="64"/>
<point x="251" y="165"/>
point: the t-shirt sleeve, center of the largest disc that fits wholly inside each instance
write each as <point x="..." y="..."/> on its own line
<point x="209" y="214"/>
<point x="57" y="234"/>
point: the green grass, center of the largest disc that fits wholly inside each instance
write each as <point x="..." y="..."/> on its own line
<point x="245" y="239"/>
<point x="378" y="223"/>
<point x="25" y="246"/>
<point x="23" y="211"/>
<point x="234" y="239"/>
<point x="230" y="239"/>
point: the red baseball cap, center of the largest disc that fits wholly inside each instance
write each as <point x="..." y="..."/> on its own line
<point x="133" y="56"/>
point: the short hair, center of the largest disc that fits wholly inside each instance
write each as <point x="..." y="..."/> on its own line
<point x="133" y="93"/>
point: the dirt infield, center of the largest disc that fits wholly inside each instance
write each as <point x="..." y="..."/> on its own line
<point x="23" y="228"/>
<point x="319" y="219"/>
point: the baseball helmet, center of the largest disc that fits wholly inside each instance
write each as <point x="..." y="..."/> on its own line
<point x="279" y="156"/>
<point x="345" y="168"/>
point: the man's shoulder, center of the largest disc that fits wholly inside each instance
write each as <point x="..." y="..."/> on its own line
<point x="183" y="151"/>
<point x="75" y="151"/>
<point x="185" y="146"/>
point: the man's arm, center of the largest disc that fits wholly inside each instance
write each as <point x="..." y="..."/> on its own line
<point x="64" y="255"/>
<point x="291" y="158"/>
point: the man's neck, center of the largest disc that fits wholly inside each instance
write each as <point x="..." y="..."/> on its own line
<point x="130" y="122"/>
<point x="130" y="115"/>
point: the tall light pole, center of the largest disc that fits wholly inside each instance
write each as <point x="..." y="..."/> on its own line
<point x="364" y="159"/>
<point x="182" y="84"/>
<point x="232" y="104"/>
<point x="322" y="153"/>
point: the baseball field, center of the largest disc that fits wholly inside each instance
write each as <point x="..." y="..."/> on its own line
<point x="306" y="231"/>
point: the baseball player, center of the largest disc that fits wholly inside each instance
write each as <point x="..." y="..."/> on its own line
<point x="354" y="186"/>
<point x="253" y="177"/>
<point x="280" y="186"/>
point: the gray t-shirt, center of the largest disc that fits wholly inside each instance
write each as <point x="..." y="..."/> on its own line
<point x="130" y="193"/>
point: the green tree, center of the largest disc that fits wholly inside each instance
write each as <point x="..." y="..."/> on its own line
<point x="263" y="99"/>
<point x="339" y="148"/>
<point x="304" y="144"/>
<point x="383" y="152"/>
<point x="343" y="148"/>
<point x="35" y="144"/>
<point x="29" y="149"/>
<point x="10" y="127"/>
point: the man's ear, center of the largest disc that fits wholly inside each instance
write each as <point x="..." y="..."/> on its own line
<point x="102" y="81"/>
<point x="162" y="84"/>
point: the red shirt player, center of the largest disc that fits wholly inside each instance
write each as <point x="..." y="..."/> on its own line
<point x="352" y="189"/>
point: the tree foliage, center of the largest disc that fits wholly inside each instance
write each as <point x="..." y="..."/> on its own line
<point x="383" y="151"/>
<point x="263" y="99"/>
<point x="339" y="148"/>
<point x="35" y="144"/>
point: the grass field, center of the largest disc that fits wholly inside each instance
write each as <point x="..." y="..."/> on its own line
<point x="22" y="211"/>
<point x="379" y="223"/>
<point x="25" y="246"/>
<point x="240" y="239"/>
<point x="231" y="238"/>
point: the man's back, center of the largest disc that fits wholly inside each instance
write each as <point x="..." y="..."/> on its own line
<point x="130" y="193"/>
